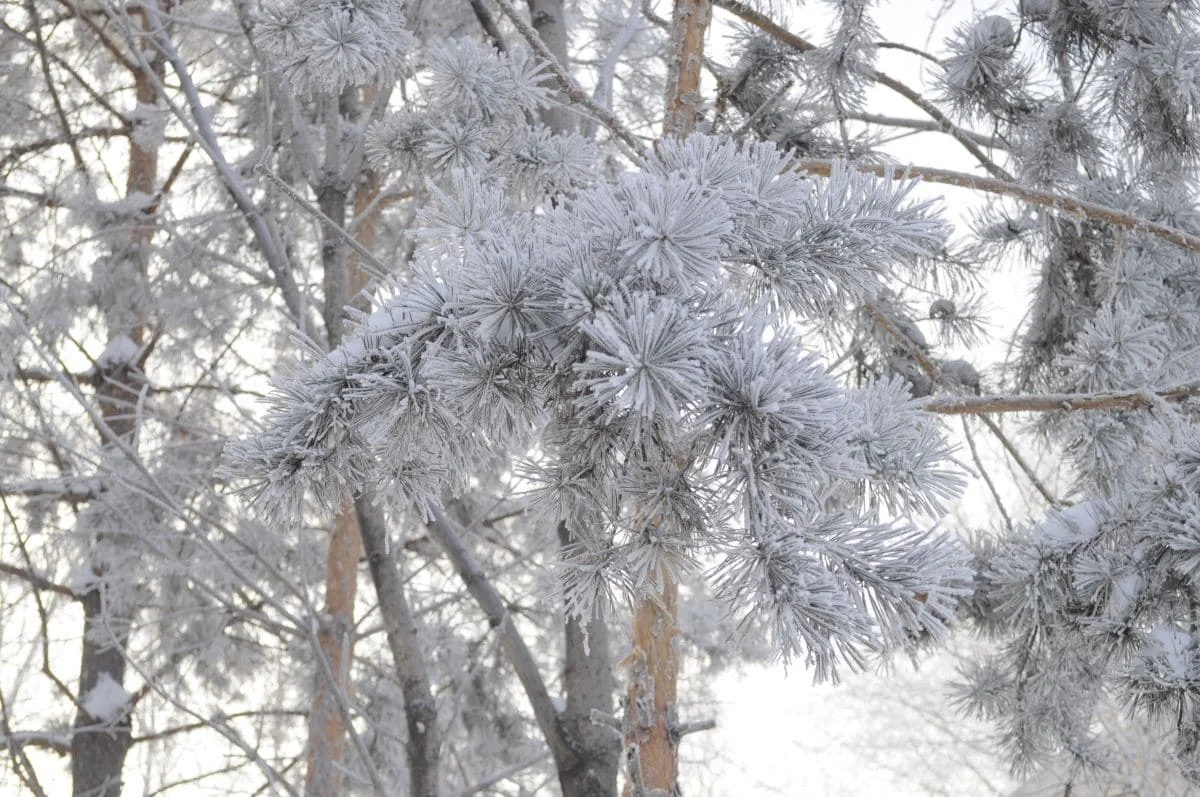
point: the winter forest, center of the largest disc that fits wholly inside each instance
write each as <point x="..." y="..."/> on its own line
<point x="436" y="398"/>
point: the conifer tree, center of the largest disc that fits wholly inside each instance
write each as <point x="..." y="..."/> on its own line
<point x="588" y="311"/>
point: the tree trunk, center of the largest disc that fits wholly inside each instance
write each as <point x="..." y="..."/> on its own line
<point x="549" y="20"/>
<point x="360" y="527"/>
<point x="589" y="684"/>
<point x="422" y="748"/>
<point x="326" y="725"/>
<point x="99" y="745"/>
<point x="587" y="667"/>
<point x="335" y="637"/>
<point x="651" y="731"/>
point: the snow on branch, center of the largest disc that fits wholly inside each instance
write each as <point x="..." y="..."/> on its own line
<point x="1056" y="402"/>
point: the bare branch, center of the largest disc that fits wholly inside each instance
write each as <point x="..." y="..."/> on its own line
<point x="568" y="85"/>
<point x="946" y="124"/>
<point x="1057" y="402"/>
<point x="37" y="581"/>
<point x="1080" y="208"/>
<point x="200" y="126"/>
<point x="517" y="652"/>
<point x="57" y="743"/>
<point x="62" y="489"/>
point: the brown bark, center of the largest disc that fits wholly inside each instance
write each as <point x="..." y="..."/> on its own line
<point x="344" y="278"/>
<point x="335" y="637"/>
<point x="651" y="732"/>
<point x="99" y="748"/>
<point x="684" y="103"/>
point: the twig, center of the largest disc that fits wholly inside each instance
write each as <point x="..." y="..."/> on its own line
<point x="37" y="581"/>
<point x="567" y="84"/>
<point x="695" y="727"/>
<point x="1081" y="208"/>
<point x="504" y="774"/>
<point x="71" y="489"/>
<point x="316" y="213"/>
<point x="200" y="126"/>
<point x="520" y="657"/>
<point x="935" y="374"/>
<point x="1008" y="524"/>
<point x="776" y="31"/>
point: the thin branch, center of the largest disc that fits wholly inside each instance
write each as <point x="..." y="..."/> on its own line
<point x="695" y="727"/>
<point x="115" y="51"/>
<point x="329" y="223"/>
<point x="64" y="489"/>
<point x="935" y="374"/>
<point x="947" y="125"/>
<point x="987" y="479"/>
<point x="63" y="64"/>
<point x="268" y="242"/>
<point x="1082" y="209"/>
<point x="908" y="48"/>
<point x="488" y="24"/>
<point x="38" y="582"/>
<point x="504" y="774"/>
<point x="485" y="594"/>
<point x="1018" y="458"/>
<point x="57" y="743"/>
<point x="567" y="84"/>
<point x="925" y="125"/>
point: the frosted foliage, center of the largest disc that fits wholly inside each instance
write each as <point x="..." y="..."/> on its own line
<point x="622" y="347"/>
<point x="325" y="45"/>
<point x="473" y="112"/>
<point x="1098" y="597"/>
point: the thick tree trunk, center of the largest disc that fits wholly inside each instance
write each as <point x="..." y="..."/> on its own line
<point x="99" y="745"/>
<point x="326" y="725"/>
<point x="651" y="729"/>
